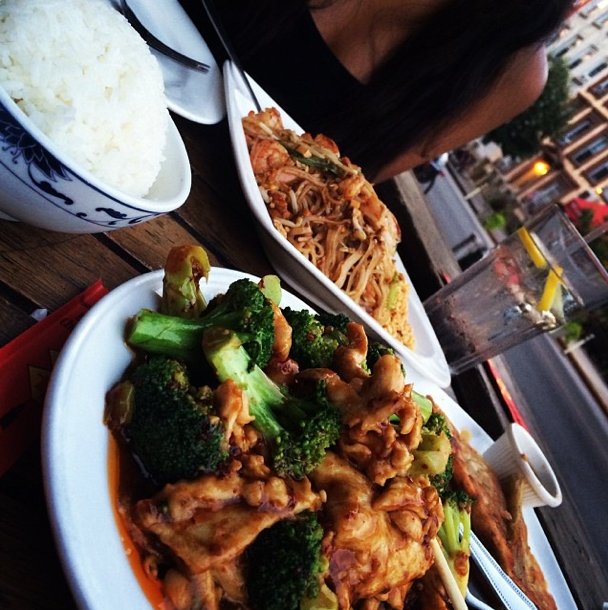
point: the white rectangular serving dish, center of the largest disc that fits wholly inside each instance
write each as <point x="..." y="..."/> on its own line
<point x="426" y="360"/>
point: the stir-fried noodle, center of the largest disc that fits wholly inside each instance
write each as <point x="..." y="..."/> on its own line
<point x="323" y="204"/>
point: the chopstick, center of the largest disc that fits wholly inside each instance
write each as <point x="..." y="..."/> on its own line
<point x="447" y="578"/>
<point x="230" y="52"/>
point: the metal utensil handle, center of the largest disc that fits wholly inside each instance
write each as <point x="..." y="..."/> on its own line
<point x="510" y="594"/>
<point x="159" y="45"/>
<point x="225" y="41"/>
<point x="475" y="602"/>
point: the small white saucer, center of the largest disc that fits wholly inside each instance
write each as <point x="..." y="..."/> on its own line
<point x="196" y="96"/>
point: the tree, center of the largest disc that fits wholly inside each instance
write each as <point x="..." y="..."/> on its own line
<point x="496" y="221"/>
<point x="523" y="135"/>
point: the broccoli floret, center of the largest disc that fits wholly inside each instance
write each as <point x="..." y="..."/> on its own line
<point x="455" y="533"/>
<point x="375" y="351"/>
<point x="313" y="342"/>
<point x="298" y="430"/>
<point x="243" y="309"/>
<point x="432" y="456"/>
<point x="442" y="480"/>
<point x="335" y="325"/>
<point x="284" y="564"/>
<point x="437" y="423"/>
<point x="337" y="321"/>
<point x="317" y="336"/>
<point x="171" y="429"/>
<point x="455" y="530"/>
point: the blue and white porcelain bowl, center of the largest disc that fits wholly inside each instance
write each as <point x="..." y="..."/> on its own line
<point x="40" y="186"/>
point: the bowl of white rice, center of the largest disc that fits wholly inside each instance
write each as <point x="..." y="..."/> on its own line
<point x="86" y="141"/>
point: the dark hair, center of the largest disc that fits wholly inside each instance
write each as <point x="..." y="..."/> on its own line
<point x="445" y="66"/>
<point x="452" y="58"/>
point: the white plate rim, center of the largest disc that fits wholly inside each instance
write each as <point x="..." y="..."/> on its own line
<point x="80" y="508"/>
<point x="431" y="364"/>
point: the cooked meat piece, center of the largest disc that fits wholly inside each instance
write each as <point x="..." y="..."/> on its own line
<point x="207" y="590"/>
<point x="179" y="501"/>
<point x="349" y="359"/>
<point x="230" y="577"/>
<point x="211" y="520"/>
<point x="429" y="593"/>
<point x="282" y="372"/>
<point x="372" y="560"/>
<point x="282" y="336"/>
<point x="413" y="505"/>
<point x="489" y="514"/>
<point x="384" y="395"/>
<point x="211" y="538"/>
<point x="369" y="438"/>
<point x="497" y="519"/>
<point x="234" y="411"/>
<point x="185" y="593"/>
<point x="526" y="571"/>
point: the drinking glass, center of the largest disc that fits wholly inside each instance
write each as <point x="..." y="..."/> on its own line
<point x="534" y="281"/>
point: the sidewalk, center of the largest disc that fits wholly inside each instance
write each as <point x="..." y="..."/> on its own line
<point x="476" y="201"/>
<point x="415" y="202"/>
<point x="589" y="374"/>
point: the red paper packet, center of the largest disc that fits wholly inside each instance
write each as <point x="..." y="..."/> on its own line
<point x="25" y="368"/>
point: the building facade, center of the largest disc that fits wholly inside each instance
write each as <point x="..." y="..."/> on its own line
<point x="576" y="165"/>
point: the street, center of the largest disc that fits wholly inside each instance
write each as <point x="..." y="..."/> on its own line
<point x="455" y="216"/>
<point x="556" y="405"/>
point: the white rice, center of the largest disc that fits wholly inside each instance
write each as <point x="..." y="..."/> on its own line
<point x="90" y="83"/>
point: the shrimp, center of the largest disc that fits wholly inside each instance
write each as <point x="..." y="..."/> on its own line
<point x="351" y="186"/>
<point x="268" y="155"/>
<point x="327" y="142"/>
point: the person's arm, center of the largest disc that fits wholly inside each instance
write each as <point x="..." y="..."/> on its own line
<point x="517" y="89"/>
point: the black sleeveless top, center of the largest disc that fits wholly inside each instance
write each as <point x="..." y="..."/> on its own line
<point x="293" y="65"/>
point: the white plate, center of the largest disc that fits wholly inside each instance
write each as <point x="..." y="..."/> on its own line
<point x="196" y="96"/>
<point x="75" y="442"/>
<point x="426" y="360"/>
<point x="75" y="449"/>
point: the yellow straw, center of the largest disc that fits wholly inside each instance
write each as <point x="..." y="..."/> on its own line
<point x="552" y="285"/>
<point x="531" y="248"/>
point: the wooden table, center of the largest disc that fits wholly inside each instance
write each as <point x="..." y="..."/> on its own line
<point x="41" y="269"/>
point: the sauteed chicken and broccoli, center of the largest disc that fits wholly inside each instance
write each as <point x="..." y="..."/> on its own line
<point x="283" y="461"/>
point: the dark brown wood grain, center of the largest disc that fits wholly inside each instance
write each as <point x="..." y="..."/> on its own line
<point x="149" y="243"/>
<point x="13" y="319"/>
<point x="49" y="271"/>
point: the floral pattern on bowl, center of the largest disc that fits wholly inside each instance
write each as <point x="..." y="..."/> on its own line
<point x="41" y="190"/>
